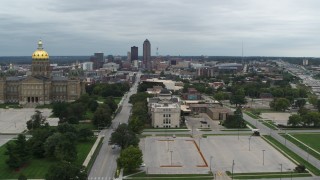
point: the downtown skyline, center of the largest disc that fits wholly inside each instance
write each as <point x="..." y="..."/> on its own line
<point x="212" y="28"/>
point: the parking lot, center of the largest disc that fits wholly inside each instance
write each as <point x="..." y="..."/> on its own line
<point x="194" y="156"/>
<point x="280" y="118"/>
<point x="14" y="120"/>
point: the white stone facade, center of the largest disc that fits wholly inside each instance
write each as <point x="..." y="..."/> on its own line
<point x="165" y="115"/>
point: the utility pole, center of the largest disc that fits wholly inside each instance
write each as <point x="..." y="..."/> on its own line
<point x="249" y="142"/>
<point x="263" y="157"/>
<point x="232" y="169"/>
<point x="280" y="170"/>
<point x="210" y="163"/>
<point x="171" y="157"/>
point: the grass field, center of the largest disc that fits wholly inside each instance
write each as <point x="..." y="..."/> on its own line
<point x="143" y="175"/>
<point x="288" y="153"/>
<point x="251" y="115"/>
<point x="270" y="124"/>
<point x="310" y="139"/>
<point x="117" y="99"/>
<point x="37" y="168"/>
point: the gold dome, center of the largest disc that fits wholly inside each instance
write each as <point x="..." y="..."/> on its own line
<point x="40" y="54"/>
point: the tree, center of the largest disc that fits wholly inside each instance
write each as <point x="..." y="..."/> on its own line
<point x="311" y="118"/>
<point x="22" y="177"/>
<point x="66" y="127"/>
<point x="22" y="149"/>
<point x="65" y="150"/>
<point x="313" y="100"/>
<point x="294" y="120"/>
<point x="280" y="104"/>
<point x="236" y="120"/>
<point x="300" y="103"/>
<point x="66" y="171"/>
<point x="14" y="160"/>
<point x="37" y="140"/>
<point x="85" y="133"/>
<point x="60" y="109"/>
<point x="102" y="116"/>
<point x="61" y="146"/>
<point x="36" y="121"/>
<point x="111" y="103"/>
<point x="221" y="96"/>
<point x="130" y="158"/>
<point x="18" y="152"/>
<point x="51" y="143"/>
<point x="124" y="137"/>
<point x="238" y="97"/>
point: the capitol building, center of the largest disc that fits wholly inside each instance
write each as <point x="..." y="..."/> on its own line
<point x="40" y="87"/>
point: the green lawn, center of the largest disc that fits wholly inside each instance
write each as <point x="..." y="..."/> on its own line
<point x="310" y="139"/>
<point x="251" y="115"/>
<point x="88" y="115"/>
<point x="288" y="153"/>
<point x="270" y="125"/>
<point x="10" y="105"/>
<point x="85" y="125"/>
<point x="117" y="99"/>
<point x="143" y="175"/>
<point x="37" y="168"/>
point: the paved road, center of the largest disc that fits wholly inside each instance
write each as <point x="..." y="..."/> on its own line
<point x="105" y="165"/>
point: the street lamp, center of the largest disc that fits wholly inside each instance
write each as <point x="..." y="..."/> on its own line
<point x="263" y="157"/>
<point x="232" y="169"/>
<point x="199" y="143"/>
<point x="285" y="137"/>
<point x="210" y="163"/>
<point x="280" y="171"/>
<point x="168" y="143"/>
<point x="249" y="142"/>
<point x="171" y="156"/>
<point x="308" y="154"/>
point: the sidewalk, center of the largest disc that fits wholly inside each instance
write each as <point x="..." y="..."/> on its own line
<point x="94" y="147"/>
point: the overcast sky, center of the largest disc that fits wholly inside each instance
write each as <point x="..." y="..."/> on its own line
<point x="176" y="27"/>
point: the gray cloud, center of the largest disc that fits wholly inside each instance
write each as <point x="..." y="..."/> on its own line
<point x="185" y="27"/>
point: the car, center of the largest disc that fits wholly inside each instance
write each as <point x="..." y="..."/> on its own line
<point x="113" y="146"/>
<point x="143" y="165"/>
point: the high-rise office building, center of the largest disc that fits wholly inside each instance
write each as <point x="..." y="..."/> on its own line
<point x="129" y="56"/>
<point x="98" y="60"/>
<point x="147" y="54"/>
<point x="134" y="53"/>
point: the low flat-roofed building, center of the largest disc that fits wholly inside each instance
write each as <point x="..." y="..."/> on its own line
<point x="218" y="113"/>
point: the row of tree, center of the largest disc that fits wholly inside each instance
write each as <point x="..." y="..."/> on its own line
<point x="305" y="119"/>
<point x="105" y="90"/>
<point x="126" y="135"/>
<point x="57" y="144"/>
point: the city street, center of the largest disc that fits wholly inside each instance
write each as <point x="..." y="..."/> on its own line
<point x="105" y="164"/>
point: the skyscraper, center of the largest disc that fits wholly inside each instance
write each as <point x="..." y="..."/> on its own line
<point x="134" y="53"/>
<point x="147" y="54"/>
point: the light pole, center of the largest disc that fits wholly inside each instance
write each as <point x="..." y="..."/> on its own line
<point x="280" y="171"/>
<point x="307" y="153"/>
<point x="232" y="169"/>
<point x="263" y="157"/>
<point x="249" y="142"/>
<point x="210" y="163"/>
<point x="171" y="156"/>
<point x="285" y="137"/>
